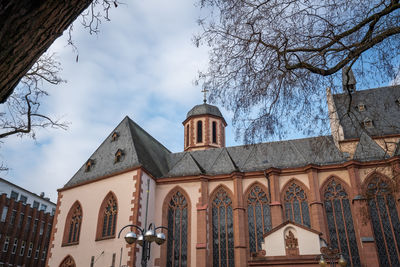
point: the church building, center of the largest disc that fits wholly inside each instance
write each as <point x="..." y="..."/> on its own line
<point x="269" y="204"/>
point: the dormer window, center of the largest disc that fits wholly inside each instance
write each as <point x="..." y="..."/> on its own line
<point x="89" y="165"/>
<point x="114" y="136"/>
<point x="368" y="123"/>
<point x="361" y="107"/>
<point x="398" y="101"/>
<point x="118" y="155"/>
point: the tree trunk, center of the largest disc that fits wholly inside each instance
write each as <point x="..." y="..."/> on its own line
<point x="27" y="29"/>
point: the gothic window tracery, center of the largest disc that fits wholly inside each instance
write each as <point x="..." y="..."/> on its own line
<point x="385" y="220"/>
<point x="109" y="212"/>
<point x="259" y="217"/>
<point x="73" y="224"/>
<point x="222" y="230"/>
<point x="177" y="230"/>
<point x="340" y="222"/>
<point x="68" y="262"/>
<point x="296" y="204"/>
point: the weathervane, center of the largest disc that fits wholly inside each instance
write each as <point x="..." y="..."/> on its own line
<point x="205" y="94"/>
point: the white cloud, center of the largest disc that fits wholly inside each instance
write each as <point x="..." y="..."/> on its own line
<point x="142" y="64"/>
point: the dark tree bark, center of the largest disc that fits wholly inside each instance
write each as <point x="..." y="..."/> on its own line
<point x="27" y="29"/>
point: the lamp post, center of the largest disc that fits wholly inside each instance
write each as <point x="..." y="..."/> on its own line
<point x="331" y="255"/>
<point x="145" y="238"/>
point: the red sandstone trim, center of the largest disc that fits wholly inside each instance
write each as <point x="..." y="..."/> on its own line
<point x="54" y="229"/>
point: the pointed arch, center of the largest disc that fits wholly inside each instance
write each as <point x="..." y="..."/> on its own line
<point x="107" y="218"/>
<point x="258" y="214"/>
<point x="176" y="215"/>
<point x="73" y="222"/>
<point x="68" y="261"/>
<point x="295" y="200"/>
<point x="383" y="210"/>
<point x="335" y="196"/>
<point x="221" y="219"/>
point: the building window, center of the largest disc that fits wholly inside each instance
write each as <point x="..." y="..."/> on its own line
<point x="199" y="131"/>
<point x="44" y="253"/>
<point x="73" y="224"/>
<point x="35" y="205"/>
<point x="37" y="252"/>
<point x="28" y="223"/>
<point x="14" y="195"/>
<point x="222" y="230"/>
<point x="68" y="262"/>
<point x="14" y="248"/>
<point x="108" y="216"/>
<point x="187" y="135"/>
<point x="368" y="123"/>
<point x="13" y="216"/>
<point x="43" y="207"/>
<point x="177" y="230"/>
<point x="21" y="220"/>
<point x="41" y="228"/>
<point x="114" y="136"/>
<point x="35" y="225"/>
<point x="6" y="243"/>
<point x="53" y="211"/>
<point x="22" y="251"/>
<point x="89" y="165"/>
<point x="23" y="199"/>
<point x="30" y="250"/>
<point x="118" y="155"/>
<point x="113" y="260"/>
<point x="259" y="217"/>
<point x="385" y="221"/>
<point x="296" y="205"/>
<point x="340" y="222"/>
<point x="92" y="261"/>
<point x="4" y="214"/>
<point x="214" y="132"/>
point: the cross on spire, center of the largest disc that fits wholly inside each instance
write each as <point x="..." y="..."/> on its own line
<point x="205" y="94"/>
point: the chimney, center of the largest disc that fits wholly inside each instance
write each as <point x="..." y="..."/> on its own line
<point x="42" y="194"/>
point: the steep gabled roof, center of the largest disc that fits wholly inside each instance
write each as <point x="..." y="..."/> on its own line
<point x="381" y="107"/>
<point x="186" y="166"/>
<point x="368" y="149"/>
<point x="139" y="149"/>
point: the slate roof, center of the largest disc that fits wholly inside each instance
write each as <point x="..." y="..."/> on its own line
<point x="381" y="107"/>
<point x="204" y="109"/>
<point x="139" y="149"/>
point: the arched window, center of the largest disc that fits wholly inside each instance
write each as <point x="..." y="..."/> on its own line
<point x="296" y="205"/>
<point x="73" y="224"/>
<point x="222" y="230"/>
<point x="187" y="135"/>
<point x="199" y="131"/>
<point x="340" y="222"/>
<point x="177" y="230"/>
<point x="214" y="132"/>
<point x="259" y="217"/>
<point x="107" y="219"/>
<point x="68" y="262"/>
<point x="385" y="220"/>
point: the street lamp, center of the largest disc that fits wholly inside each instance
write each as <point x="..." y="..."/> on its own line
<point x="145" y="238"/>
<point x="331" y="254"/>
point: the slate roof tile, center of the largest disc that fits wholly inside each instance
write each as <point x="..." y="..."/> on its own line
<point x="368" y="149"/>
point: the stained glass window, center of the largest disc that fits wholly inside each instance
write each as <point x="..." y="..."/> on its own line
<point x="73" y="224"/>
<point x="296" y="205"/>
<point x="259" y="217"/>
<point x="222" y="230"/>
<point x="177" y="231"/>
<point x="109" y="216"/>
<point x="385" y="221"/>
<point x="340" y="222"/>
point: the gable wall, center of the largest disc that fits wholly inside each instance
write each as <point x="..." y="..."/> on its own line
<point x="90" y="197"/>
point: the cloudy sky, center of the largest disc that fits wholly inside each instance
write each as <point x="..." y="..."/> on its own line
<point x="142" y="64"/>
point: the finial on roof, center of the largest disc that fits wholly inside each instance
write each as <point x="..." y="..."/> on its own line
<point x="205" y="94"/>
<point x="348" y="80"/>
